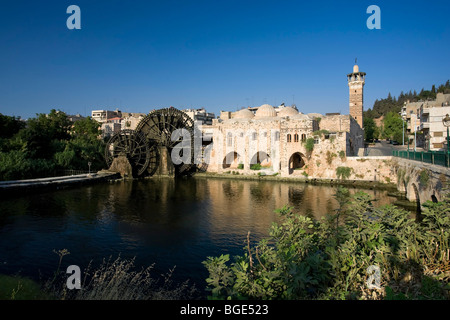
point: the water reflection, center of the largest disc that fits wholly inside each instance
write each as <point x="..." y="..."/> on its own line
<point x="163" y="221"/>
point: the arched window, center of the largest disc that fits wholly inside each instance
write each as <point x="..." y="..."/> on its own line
<point x="303" y="137"/>
<point x="289" y="138"/>
<point x="296" y="137"/>
<point x="230" y="139"/>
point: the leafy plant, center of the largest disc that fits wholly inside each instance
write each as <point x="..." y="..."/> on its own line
<point x="343" y="173"/>
<point x="328" y="258"/>
<point x="309" y="145"/>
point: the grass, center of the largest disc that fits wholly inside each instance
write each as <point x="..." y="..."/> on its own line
<point x="113" y="280"/>
<point x="119" y="280"/>
<point x="21" y="288"/>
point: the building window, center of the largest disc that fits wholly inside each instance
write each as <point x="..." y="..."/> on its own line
<point x="316" y="140"/>
<point x="277" y="136"/>
<point x="289" y="138"/>
<point x="303" y="137"/>
<point x="230" y="139"/>
<point x="295" y="137"/>
<point x="255" y="136"/>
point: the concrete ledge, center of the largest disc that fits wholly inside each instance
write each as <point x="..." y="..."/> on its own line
<point x="367" y="184"/>
<point x="14" y="186"/>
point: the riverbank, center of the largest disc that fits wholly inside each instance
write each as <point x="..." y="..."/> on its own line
<point x="315" y="181"/>
<point x="29" y="185"/>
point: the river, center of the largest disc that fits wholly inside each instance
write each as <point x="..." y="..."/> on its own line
<point x="158" y="221"/>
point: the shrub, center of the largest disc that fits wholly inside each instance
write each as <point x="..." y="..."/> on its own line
<point x="256" y="166"/>
<point x="240" y="166"/>
<point x="343" y="173"/>
<point x="424" y="177"/>
<point x="309" y="145"/>
<point x="329" y="258"/>
<point x="330" y="156"/>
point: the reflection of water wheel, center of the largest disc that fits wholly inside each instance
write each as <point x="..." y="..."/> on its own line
<point x="158" y="127"/>
<point x="134" y="146"/>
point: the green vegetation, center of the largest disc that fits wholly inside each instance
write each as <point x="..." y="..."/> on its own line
<point x="256" y="166"/>
<point x="305" y="258"/>
<point x="44" y="145"/>
<point x="424" y="177"/>
<point x="371" y="131"/>
<point x="19" y="288"/>
<point x="390" y="107"/>
<point x="393" y="126"/>
<point x="330" y="156"/>
<point x="393" y="104"/>
<point x="309" y="145"/>
<point x="344" y="173"/>
<point x="240" y="166"/>
<point x="112" y="280"/>
<point x="321" y="133"/>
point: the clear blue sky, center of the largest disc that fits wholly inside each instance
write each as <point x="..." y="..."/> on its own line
<point x="221" y="55"/>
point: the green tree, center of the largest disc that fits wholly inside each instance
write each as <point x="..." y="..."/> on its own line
<point x="393" y="126"/>
<point x="369" y="129"/>
<point x="44" y="135"/>
<point x="9" y="126"/>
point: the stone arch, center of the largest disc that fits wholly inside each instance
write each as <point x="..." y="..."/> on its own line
<point x="296" y="161"/>
<point x="261" y="158"/>
<point x="231" y="160"/>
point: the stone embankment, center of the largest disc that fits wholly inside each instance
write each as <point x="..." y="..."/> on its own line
<point x="15" y="186"/>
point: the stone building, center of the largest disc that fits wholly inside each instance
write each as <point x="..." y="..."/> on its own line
<point x="200" y="115"/>
<point x="282" y="140"/>
<point x="276" y="143"/>
<point x="425" y="117"/>
<point x="356" y="81"/>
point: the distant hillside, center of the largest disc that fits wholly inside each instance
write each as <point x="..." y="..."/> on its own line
<point x="393" y="104"/>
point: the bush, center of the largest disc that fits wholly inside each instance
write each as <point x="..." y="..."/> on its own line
<point x="343" y="173"/>
<point x="309" y="145"/>
<point x="256" y="166"/>
<point x="329" y="258"/>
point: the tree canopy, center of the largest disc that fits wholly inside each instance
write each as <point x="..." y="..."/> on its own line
<point x="46" y="144"/>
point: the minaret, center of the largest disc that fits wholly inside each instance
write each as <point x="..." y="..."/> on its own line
<point x="356" y="81"/>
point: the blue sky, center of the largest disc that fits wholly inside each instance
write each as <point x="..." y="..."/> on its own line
<point x="221" y="55"/>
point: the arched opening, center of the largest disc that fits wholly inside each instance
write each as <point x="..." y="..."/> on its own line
<point x="261" y="158"/>
<point x="231" y="161"/>
<point x="434" y="199"/>
<point x="296" y="161"/>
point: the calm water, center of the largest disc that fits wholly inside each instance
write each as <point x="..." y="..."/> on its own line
<point x="169" y="223"/>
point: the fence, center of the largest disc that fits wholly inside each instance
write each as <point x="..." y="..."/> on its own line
<point x="70" y="172"/>
<point x="434" y="157"/>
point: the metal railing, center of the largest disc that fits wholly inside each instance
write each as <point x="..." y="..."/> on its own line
<point x="439" y="158"/>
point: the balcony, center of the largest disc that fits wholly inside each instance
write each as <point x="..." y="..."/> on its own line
<point x="425" y="110"/>
<point x="424" y="125"/>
